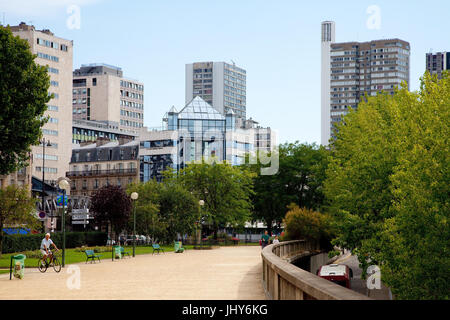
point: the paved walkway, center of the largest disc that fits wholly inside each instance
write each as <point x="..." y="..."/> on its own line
<point x="230" y="273"/>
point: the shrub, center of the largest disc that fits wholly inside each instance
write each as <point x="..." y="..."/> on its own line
<point x="20" y="243"/>
<point x="305" y="224"/>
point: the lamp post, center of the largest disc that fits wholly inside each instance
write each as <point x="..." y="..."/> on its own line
<point x="64" y="185"/>
<point x="49" y="144"/>
<point x="201" y="203"/>
<point x="134" y="197"/>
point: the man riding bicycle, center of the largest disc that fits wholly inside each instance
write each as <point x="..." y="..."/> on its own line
<point x="45" y="246"/>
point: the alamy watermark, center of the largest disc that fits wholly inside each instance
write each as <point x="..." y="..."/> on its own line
<point x="374" y="279"/>
<point x="74" y="19"/>
<point x="374" y="19"/>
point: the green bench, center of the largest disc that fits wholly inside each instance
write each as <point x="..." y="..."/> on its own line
<point x="122" y="250"/>
<point x="157" y="248"/>
<point x="90" y="254"/>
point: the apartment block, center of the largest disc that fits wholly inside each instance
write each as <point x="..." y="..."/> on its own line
<point x="222" y="85"/>
<point x="436" y="63"/>
<point x="101" y="93"/>
<point x="103" y="163"/>
<point x="57" y="55"/>
<point x="351" y="70"/>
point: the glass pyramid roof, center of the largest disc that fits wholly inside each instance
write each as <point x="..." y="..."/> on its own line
<point x="199" y="109"/>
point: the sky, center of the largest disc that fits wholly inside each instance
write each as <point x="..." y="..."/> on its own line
<point x="277" y="42"/>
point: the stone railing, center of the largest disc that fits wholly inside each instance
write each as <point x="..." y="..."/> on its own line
<point x="284" y="281"/>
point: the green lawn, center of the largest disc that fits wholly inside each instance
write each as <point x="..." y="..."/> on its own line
<point x="73" y="256"/>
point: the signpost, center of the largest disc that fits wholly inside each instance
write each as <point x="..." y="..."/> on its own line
<point x="80" y="222"/>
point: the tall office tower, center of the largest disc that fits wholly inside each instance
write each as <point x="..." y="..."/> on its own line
<point x="101" y="93"/>
<point x="220" y="84"/>
<point x="328" y="37"/>
<point x="437" y="63"/>
<point x="57" y="54"/>
<point x="357" y="69"/>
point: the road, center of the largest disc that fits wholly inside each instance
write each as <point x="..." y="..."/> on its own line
<point x="359" y="285"/>
<point x="230" y="273"/>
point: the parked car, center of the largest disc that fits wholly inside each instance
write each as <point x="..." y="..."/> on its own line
<point x="337" y="273"/>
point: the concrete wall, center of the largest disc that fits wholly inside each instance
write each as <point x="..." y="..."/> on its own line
<point x="284" y="281"/>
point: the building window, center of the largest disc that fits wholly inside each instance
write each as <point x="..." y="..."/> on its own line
<point x="94" y="81"/>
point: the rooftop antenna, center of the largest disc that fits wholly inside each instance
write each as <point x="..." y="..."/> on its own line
<point x="234" y="63"/>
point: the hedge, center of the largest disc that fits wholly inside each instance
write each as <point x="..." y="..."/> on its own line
<point x="20" y="243"/>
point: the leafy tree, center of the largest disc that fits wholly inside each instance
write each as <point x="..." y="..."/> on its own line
<point x="178" y="208"/>
<point x="299" y="180"/>
<point x="23" y="97"/>
<point x="387" y="185"/>
<point x="225" y="189"/>
<point x="147" y="207"/>
<point x="306" y="224"/>
<point x="164" y="209"/>
<point x="111" y="204"/>
<point x="16" y="208"/>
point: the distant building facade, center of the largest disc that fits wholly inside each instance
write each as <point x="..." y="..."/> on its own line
<point x="57" y="55"/>
<point x="220" y="84"/>
<point x="101" y="93"/>
<point x="437" y="63"/>
<point x="89" y="130"/>
<point x="101" y="164"/>
<point x="350" y="70"/>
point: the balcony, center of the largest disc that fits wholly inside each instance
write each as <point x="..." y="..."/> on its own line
<point x="102" y="173"/>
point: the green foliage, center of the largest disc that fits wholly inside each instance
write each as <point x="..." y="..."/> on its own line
<point x="19" y="242"/>
<point x="164" y="210"/>
<point x="225" y="189"/>
<point x="23" y="97"/>
<point x="299" y="180"/>
<point x="111" y="204"/>
<point x="387" y="185"/>
<point x="16" y="208"/>
<point x="306" y="224"/>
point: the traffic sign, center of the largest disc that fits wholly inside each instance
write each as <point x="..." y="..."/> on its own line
<point x="81" y="217"/>
<point x="80" y="211"/>
<point x="42" y="214"/>
<point x="80" y="222"/>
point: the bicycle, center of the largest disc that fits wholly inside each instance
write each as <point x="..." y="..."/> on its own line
<point x="54" y="262"/>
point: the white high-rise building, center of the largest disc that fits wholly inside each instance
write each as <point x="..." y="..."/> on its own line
<point x="351" y="70"/>
<point x="220" y="84"/>
<point x="328" y="37"/>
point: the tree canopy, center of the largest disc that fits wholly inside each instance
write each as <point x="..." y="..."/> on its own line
<point x="299" y="180"/>
<point x="225" y="189"/>
<point x="111" y="204"/>
<point x="23" y="97"/>
<point x="387" y="186"/>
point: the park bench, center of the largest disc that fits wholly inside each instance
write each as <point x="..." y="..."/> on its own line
<point x="90" y="254"/>
<point x="122" y="250"/>
<point x="157" y="248"/>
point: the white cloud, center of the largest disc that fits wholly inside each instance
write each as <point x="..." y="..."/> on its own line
<point x="39" y="8"/>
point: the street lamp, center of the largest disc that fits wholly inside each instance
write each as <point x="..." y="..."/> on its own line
<point x="64" y="186"/>
<point x="134" y="197"/>
<point x="201" y="203"/>
<point x="49" y="144"/>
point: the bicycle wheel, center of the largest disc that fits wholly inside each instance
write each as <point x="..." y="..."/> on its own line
<point x="56" y="265"/>
<point x="42" y="266"/>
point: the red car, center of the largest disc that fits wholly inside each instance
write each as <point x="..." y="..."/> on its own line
<point x="337" y="273"/>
